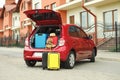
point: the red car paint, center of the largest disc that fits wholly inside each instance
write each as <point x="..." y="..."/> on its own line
<point x="68" y="41"/>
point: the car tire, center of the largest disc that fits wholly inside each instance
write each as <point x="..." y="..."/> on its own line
<point x="30" y="63"/>
<point x="92" y="59"/>
<point x="70" y="62"/>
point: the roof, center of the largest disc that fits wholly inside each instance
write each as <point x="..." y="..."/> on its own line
<point x="7" y="8"/>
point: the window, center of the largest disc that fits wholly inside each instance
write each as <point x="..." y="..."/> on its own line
<point x="19" y="18"/>
<point x="77" y="32"/>
<point x="37" y="5"/>
<point x="15" y="17"/>
<point x="13" y="22"/>
<point x="23" y="7"/>
<point x="72" y="19"/>
<point x="85" y="19"/>
<point x="82" y="34"/>
<point x="53" y="6"/>
<point x="46" y="7"/>
<point x="110" y="17"/>
<point x="73" y="31"/>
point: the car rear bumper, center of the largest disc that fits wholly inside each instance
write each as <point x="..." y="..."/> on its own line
<point x="30" y="53"/>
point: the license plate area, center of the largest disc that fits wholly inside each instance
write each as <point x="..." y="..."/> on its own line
<point x="38" y="54"/>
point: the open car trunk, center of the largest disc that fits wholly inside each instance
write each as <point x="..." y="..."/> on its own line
<point x="44" y="17"/>
<point x="48" y="23"/>
<point x="42" y="34"/>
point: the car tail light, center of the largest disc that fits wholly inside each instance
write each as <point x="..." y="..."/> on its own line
<point x="61" y="42"/>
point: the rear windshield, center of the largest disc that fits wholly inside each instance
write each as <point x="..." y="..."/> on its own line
<point x="45" y="16"/>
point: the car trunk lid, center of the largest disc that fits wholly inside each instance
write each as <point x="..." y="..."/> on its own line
<point x="44" y="17"/>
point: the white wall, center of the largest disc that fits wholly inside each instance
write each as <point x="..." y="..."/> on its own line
<point x="101" y="9"/>
<point x="99" y="13"/>
<point x="76" y="13"/>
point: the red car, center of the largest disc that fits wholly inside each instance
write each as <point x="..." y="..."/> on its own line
<point x="73" y="44"/>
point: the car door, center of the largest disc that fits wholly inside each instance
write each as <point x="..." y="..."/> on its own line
<point x="84" y="45"/>
<point x="74" y="39"/>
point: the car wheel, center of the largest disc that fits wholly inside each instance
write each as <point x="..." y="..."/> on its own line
<point x="70" y="62"/>
<point x="30" y="63"/>
<point x="92" y="59"/>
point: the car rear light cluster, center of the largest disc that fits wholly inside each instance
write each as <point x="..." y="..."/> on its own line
<point x="61" y="42"/>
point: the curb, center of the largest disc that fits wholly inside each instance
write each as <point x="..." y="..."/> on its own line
<point x="108" y="59"/>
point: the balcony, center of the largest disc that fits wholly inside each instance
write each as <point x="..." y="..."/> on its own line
<point x="70" y="4"/>
<point x="2" y="30"/>
<point x="16" y="24"/>
<point x="27" y="22"/>
<point x="99" y="2"/>
<point x="15" y="27"/>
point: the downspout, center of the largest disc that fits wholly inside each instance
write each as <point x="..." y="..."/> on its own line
<point x="95" y="19"/>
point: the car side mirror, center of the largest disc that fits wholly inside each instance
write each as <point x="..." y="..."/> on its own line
<point x="89" y="37"/>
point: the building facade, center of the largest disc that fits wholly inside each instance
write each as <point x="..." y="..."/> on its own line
<point x="36" y="4"/>
<point x="7" y="17"/>
<point x="13" y="21"/>
<point x="52" y="4"/>
<point x="15" y="25"/>
<point x="25" y="23"/>
<point x="107" y="13"/>
<point x="1" y="23"/>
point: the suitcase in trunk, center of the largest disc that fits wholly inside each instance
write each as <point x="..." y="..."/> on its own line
<point x="53" y="60"/>
<point x="40" y="40"/>
<point x="44" y="60"/>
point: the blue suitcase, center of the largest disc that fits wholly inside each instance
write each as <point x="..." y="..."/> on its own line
<point x="40" y="40"/>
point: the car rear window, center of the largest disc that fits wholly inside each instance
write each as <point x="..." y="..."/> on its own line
<point x="45" y="16"/>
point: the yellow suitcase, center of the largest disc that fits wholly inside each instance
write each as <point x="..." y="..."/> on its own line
<point x="53" y="60"/>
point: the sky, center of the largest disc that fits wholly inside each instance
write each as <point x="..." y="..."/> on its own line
<point x="2" y="2"/>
